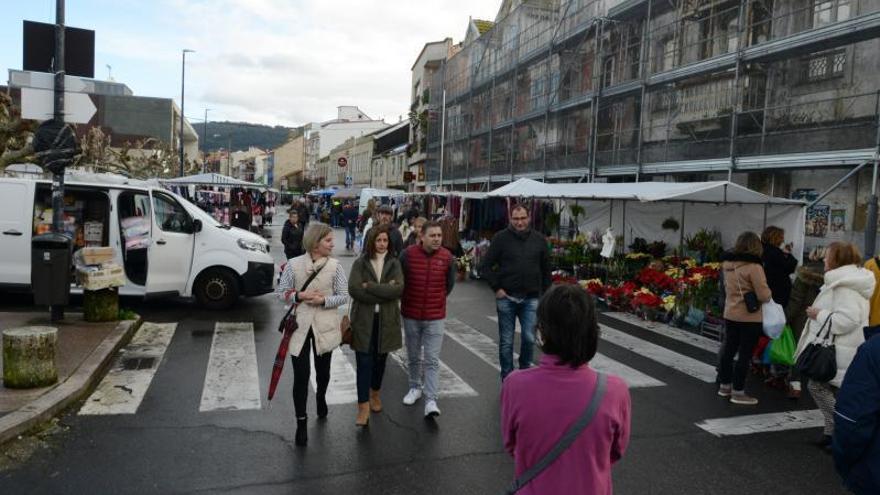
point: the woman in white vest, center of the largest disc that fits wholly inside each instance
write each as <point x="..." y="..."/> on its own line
<point x="316" y="316"/>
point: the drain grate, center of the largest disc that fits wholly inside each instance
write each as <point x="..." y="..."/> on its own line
<point x="143" y="363"/>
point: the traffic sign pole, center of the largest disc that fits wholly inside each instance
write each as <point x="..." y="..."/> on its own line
<point x="57" y="311"/>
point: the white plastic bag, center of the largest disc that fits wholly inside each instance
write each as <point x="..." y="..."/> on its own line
<point x="774" y="319"/>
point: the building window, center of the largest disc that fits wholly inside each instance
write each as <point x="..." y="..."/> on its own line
<point x="667" y="55"/>
<point x="830" y="11"/>
<point x="823" y="66"/>
<point x="608" y="72"/>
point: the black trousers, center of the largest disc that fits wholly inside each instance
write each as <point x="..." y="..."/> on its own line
<point x="370" y="366"/>
<point x="739" y="338"/>
<point x="302" y="370"/>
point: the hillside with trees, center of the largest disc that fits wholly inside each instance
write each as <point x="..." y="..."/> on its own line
<point x="242" y="135"/>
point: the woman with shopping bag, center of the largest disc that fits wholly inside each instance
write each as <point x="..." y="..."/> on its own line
<point x="375" y="285"/>
<point x="836" y="318"/>
<point x="317" y="283"/>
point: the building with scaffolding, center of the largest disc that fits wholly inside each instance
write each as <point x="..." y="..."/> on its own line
<point x="609" y="90"/>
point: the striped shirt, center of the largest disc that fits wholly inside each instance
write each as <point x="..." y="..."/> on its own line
<point x="340" y="286"/>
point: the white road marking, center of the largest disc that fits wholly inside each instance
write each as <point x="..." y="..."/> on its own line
<point x="451" y="385"/>
<point x="123" y="390"/>
<point x="343" y="379"/>
<point x="763" y="423"/>
<point x="232" y="380"/>
<point x="665" y="330"/>
<point x="662" y="355"/>
<point x="487" y="350"/>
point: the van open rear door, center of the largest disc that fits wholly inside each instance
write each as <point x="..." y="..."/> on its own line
<point x="15" y="233"/>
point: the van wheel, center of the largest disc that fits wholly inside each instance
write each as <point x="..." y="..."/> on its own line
<point x="216" y="289"/>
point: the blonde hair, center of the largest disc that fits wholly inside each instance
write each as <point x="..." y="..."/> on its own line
<point x="748" y="243"/>
<point x="313" y="235"/>
<point x="842" y="254"/>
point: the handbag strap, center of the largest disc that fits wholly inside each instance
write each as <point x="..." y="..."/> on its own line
<point x="292" y="308"/>
<point x="565" y="442"/>
<point x="819" y="336"/>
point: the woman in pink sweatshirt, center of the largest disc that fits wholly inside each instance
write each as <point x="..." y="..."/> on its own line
<point x="539" y="404"/>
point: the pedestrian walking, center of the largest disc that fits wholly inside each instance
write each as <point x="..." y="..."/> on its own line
<point x="292" y="235"/>
<point x="856" y="444"/>
<point x="779" y="263"/>
<point x="414" y="232"/>
<point x="303" y="212"/>
<point x="384" y="215"/>
<point x="517" y="267"/>
<point x="375" y="285"/>
<point x="540" y="405"/>
<point x="745" y="287"/>
<point x="317" y="283"/>
<point x="349" y="222"/>
<point x="429" y="273"/>
<point x="841" y="310"/>
<point x="808" y="279"/>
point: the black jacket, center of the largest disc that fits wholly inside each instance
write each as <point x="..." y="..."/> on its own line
<point x="292" y="239"/>
<point x="517" y="262"/>
<point x="857" y="421"/>
<point x="778" y="267"/>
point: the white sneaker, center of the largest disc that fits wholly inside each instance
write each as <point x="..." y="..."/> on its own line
<point x="412" y="396"/>
<point x="431" y="409"/>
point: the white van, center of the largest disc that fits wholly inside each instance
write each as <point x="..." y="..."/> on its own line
<point x="167" y="245"/>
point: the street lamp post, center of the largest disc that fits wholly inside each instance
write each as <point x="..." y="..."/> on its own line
<point x="182" y="87"/>
<point x="205" y="143"/>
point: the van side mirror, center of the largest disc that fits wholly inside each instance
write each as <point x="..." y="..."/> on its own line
<point x="197" y="225"/>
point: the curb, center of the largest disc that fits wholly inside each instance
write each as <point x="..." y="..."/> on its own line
<point x="77" y="385"/>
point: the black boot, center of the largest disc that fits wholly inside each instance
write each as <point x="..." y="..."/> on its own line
<point x="321" y="404"/>
<point x="302" y="434"/>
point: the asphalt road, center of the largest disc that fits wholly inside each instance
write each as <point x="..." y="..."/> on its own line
<point x="169" y="446"/>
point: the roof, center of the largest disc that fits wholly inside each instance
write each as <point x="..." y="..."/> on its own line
<point x="447" y="41"/>
<point x="706" y="192"/>
<point x="211" y="180"/>
<point x="483" y="26"/>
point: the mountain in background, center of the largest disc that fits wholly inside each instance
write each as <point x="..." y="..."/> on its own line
<point x="242" y="135"/>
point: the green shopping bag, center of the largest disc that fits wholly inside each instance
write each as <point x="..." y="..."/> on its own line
<point x="782" y="349"/>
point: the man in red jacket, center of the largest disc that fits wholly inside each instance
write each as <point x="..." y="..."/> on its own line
<point x="429" y="274"/>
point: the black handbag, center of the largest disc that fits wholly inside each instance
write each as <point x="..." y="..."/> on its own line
<point x="818" y="361"/>
<point x="750" y="298"/>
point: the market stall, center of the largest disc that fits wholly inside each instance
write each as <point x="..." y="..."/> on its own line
<point x="229" y="200"/>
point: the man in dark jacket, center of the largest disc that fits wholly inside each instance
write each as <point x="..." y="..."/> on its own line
<point x="429" y="274"/>
<point x="385" y="214"/>
<point x="779" y="264"/>
<point x="349" y="222"/>
<point x="856" y="443"/>
<point x="517" y="267"/>
<point x="302" y="212"/>
<point x="292" y="235"/>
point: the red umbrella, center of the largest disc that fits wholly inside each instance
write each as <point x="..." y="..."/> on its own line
<point x="286" y="327"/>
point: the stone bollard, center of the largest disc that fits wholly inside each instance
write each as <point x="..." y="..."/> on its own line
<point x="101" y="305"/>
<point x="29" y="357"/>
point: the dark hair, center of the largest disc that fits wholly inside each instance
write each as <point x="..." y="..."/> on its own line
<point x="429" y="225"/>
<point x="520" y="206"/>
<point x="749" y="243"/>
<point x="843" y="253"/>
<point x="568" y="326"/>
<point x="773" y="235"/>
<point x="372" y="235"/>
<point x="386" y="209"/>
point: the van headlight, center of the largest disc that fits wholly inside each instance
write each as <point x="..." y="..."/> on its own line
<point x="261" y="247"/>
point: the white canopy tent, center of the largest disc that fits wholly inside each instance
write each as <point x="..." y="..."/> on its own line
<point x="211" y="179"/>
<point x="638" y="209"/>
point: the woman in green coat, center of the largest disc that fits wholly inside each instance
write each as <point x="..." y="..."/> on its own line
<point x="375" y="286"/>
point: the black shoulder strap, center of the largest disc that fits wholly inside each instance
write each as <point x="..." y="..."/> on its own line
<point x="567" y="439"/>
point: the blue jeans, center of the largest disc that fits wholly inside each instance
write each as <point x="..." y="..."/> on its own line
<point x="423" y="339"/>
<point x="508" y="312"/>
<point x="349" y="236"/>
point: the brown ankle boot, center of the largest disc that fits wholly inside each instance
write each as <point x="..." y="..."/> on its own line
<point x="363" y="416"/>
<point x="375" y="401"/>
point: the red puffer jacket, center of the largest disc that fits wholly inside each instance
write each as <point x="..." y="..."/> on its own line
<point x="427" y="283"/>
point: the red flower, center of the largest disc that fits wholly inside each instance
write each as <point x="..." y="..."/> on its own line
<point x="655" y="280"/>
<point x="595" y="288"/>
<point x="646" y="300"/>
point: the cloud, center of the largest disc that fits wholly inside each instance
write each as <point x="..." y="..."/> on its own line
<point x="290" y="62"/>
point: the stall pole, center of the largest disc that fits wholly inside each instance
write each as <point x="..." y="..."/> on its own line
<point x="765" y="214"/>
<point x="681" y="230"/>
<point x="871" y="226"/>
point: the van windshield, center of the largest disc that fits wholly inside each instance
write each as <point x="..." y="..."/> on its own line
<point x="198" y="212"/>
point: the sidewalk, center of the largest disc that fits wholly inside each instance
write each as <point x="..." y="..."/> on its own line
<point x="84" y="351"/>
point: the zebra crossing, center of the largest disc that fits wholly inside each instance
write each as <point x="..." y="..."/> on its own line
<point x="232" y="379"/>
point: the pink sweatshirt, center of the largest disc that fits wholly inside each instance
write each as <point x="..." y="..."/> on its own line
<point x="537" y="407"/>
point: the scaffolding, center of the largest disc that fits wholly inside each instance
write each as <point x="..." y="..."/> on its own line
<point x="580" y="89"/>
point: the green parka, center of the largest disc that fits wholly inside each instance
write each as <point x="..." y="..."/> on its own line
<point x="386" y="293"/>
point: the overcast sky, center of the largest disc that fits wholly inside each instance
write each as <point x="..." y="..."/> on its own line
<point x="278" y="62"/>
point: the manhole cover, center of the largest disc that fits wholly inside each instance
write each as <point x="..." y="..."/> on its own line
<point x="143" y="363"/>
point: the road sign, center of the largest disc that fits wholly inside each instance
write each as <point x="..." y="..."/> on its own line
<point x="342" y="161"/>
<point x="37" y="104"/>
<point x="348" y="181"/>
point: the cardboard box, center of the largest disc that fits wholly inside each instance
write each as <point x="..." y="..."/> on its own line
<point x="109" y="275"/>
<point x="96" y="255"/>
<point x="93" y="233"/>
